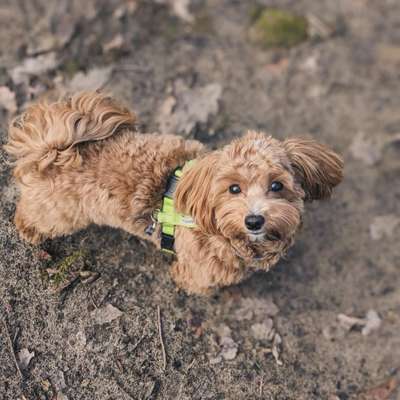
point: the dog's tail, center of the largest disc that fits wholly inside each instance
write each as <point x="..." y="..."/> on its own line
<point x="48" y="133"/>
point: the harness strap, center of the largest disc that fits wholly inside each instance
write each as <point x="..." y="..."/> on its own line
<point x="168" y="217"/>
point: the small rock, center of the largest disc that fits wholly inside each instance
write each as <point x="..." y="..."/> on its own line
<point x="310" y="64"/>
<point x="384" y="225"/>
<point x="128" y="7"/>
<point x="24" y="358"/>
<point x="81" y="339"/>
<point x="215" y="360"/>
<point x="180" y="8"/>
<point x="276" y="348"/>
<point x="106" y="314"/>
<point x="373" y="322"/>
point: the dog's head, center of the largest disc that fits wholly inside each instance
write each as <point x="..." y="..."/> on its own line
<point x="252" y="191"/>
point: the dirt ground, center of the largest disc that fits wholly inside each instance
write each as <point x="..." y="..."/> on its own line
<point x="195" y="70"/>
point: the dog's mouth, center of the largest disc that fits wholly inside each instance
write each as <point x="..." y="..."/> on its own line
<point x="262" y="236"/>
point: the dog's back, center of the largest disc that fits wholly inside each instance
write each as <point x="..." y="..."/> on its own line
<point x="48" y="133"/>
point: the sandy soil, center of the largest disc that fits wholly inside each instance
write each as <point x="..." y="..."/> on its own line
<point x="342" y="89"/>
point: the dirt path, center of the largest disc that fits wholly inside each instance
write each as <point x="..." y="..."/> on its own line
<point x="99" y="339"/>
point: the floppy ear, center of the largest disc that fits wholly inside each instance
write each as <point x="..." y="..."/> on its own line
<point x="193" y="194"/>
<point x="318" y="168"/>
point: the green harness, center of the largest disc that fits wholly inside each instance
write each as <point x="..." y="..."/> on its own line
<point x="168" y="217"/>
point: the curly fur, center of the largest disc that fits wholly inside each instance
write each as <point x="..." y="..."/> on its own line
<point x="79" y="161"/>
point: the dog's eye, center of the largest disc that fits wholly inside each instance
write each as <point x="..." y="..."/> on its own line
<point x="235" y="189"/>
<point x="276" y="186"/>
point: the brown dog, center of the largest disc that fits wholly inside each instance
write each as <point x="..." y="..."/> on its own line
<point x="80" y="161"/>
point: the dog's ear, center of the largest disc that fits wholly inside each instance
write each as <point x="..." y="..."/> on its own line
<point x="193" y="195"/>
<point x="318" y="168"/>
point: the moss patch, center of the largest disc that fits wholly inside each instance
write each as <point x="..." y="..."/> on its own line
<point x="278" y="28"/>
<point x="62" y="273"/>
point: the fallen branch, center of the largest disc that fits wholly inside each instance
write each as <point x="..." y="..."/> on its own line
<point x="10" y="342"/>
<point x="160" y="333"/>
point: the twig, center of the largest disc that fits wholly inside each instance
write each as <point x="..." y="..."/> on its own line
<point x="191" y="365"/>
<point x="15" y="337"/>
<point x="12" y="349"/>
<point x="261" y="386"/>
<point x="63" y="292"/>
<point x="138" y="342"/>
<point x="91" y="298"/>
<point x="164" y="354"/>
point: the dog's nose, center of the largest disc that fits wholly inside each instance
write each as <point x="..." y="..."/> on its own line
<point x="254" y="222"/>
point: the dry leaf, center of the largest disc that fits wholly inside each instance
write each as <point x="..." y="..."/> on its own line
<point x="319" y="28"/>
<point x="251" y="307"/>
<point x="264" y="330"/>
<point x="278" y="67"/>
<point x="7" y="100"/>
<point x="93" y="80"/>
<point x="345" y="323"/>
<point x="106" y="314"/>
<point x="24" y="358"/>
<point x="365" y="149"/>
<point x="229" y="347"/>
<point x="381" y="392"/>
<point x="369" y="149"/>
<point x="58" y="380"/>
<point x="114" y="44"/>
<point x="334" y="332"/>
<point x="34" y="66"/>
<point x="383" y="226"/>
<point x="188" y="107"/>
